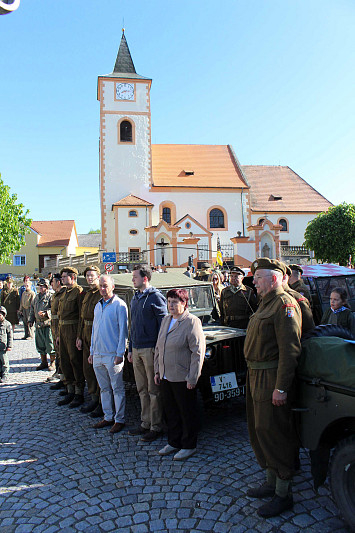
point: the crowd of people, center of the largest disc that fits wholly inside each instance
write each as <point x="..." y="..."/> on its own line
<point x="82" y="335"/>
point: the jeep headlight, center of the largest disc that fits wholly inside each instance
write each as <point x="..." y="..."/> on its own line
<point x="208" y="353"/>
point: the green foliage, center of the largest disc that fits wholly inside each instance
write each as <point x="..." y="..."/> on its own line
<point x="331" y="235"/>
<point x="94" y="231"/>
<point x="14" y="224"/>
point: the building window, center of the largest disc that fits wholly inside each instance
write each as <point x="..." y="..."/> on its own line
<point x="187" y="225"/>
<point x="133" y="232"/>
<point x="134" y="254"/>
<point x="284" y="225"/>
<point x="126" y="131"/>
<point x="19" y="260"/>
<point x="133" y="214"/>
<point x="284" y="243"/>
<point x="166" y="215"/>
<point x="216" y="219"/>
<point x="261" y="221"/>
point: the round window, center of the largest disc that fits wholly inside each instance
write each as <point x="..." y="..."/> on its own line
<point x="133" y="232"/>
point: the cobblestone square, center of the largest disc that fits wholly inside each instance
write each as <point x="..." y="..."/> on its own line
<point x="57" y="473"/>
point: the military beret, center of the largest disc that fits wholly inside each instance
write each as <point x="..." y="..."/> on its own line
<point x="265" y="263"/>
<point x="237" y="270"/>
<point x="297" y="268"/>
<point x="3" y="310"/>
<point x="43" y="282"/>
<point x="91" y="268"/>
<point x="69" y="270"/>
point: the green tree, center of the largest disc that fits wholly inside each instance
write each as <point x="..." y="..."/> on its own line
<point x="14" y="224"/>
<point x="94" y="231"/>
<point x="331" y="235"/>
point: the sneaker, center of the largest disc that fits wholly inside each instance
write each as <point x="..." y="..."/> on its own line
<point x="138" y="431"/>
<point x="276" y="506"/>
<point x="184" y="454"/>
<point x="263" y="491"/>
<point x="167" y="450"/>
<point x="150" y="436"/>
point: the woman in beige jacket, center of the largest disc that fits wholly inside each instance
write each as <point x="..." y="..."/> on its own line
<point x="178" y="360"/>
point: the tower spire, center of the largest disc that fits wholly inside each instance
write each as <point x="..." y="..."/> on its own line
<point x="124" y="62"/>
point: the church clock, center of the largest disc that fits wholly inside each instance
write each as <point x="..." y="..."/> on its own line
<point x="125" y="91"/>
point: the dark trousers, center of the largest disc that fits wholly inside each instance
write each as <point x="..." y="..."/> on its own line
<point x="180" y="407"/>
<point x="71" y="359"/>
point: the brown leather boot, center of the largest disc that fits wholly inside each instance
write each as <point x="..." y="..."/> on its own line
<point x="44" y="364"/>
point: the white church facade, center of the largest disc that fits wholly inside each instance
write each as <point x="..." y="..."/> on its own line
<point x="178" y="201"/>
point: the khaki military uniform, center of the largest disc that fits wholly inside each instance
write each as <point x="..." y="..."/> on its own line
<point x="272" y="347"/>
<point x="237" y="304"/>
<point x="25" y="309"/>
<point x="11" y="301"/>
<point x="92" y="296"/>
<point x="306" y="311"/>
<point x="71" y="359"/>
<point x="43" y="334"/>
<point x="300" y="287"/>
<point x="55" y="322"/>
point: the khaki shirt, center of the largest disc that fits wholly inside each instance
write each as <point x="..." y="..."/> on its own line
<point x="306" y="311"/>
<point x="92" y="296"/>
<point x="27" y="299"/>
<point x="42" y="302"/>
<point x="54" y="311"/>
<point x="70" y="305"/>
<point x="273" y="338"/>
<point x="300" y="287"/>
<point x="237" y="304"/>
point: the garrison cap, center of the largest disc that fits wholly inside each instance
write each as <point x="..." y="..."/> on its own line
<point x="237" y="270"/>
<point x="3" y="310"/>
<point x="43" y="282"/>
<point x="70" y="270"/>
<point x="91" y="268"/>
<point x="297" y="268"/>
<point x="265" y="263"/>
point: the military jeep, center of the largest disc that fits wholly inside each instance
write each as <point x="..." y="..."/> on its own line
<point x="326" y="415"/>
<point x="224" y="369"/>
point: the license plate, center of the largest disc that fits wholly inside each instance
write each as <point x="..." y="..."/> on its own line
<point x="225" y="386"/>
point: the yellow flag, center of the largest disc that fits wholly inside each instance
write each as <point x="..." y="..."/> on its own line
<point x="219" y="258"/>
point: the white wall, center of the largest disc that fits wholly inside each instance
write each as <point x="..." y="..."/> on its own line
<point x="297" y="226"/>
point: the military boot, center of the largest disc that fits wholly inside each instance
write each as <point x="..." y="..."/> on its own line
<point x="52" y="365"/>
<point x="44" y="364"/>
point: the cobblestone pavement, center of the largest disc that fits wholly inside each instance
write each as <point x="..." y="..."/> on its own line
<point x="57" y="473"/>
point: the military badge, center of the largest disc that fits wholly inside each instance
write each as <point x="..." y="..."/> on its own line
<point x="290" y="312"/>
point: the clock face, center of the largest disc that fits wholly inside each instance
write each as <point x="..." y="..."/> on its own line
<point x="125" y="91"/>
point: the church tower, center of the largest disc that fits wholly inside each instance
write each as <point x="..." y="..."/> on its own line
<point x="125" y="139"/>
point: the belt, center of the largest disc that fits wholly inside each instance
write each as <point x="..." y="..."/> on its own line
<point x="236" y="317"/>
<point x="262" y="365"/>
<point x="68" y="322"/>
<point x="55" y="317"/>
<point x="88" y="322"/>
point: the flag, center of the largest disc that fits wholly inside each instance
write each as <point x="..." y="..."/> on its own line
<point x="219" y="253"/>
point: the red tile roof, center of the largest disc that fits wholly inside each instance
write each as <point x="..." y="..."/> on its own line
<point x="296" y="194"/>
<point x="53" y="232"/>
<point x="212" y="166"/>
<point x="131" y="201"/>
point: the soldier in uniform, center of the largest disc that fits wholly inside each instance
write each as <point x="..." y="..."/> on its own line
<point x="272" y="347"/>
<point x="296" y="283"/>
<point x="237" y="301"/>
<point x="10" y="299"/>
<point x="306" y="311"/>
<point x="41" y="315"/>
<point x="71" y="359"/>
<point x="92" y="296"/>
<point x="59" y="289"/>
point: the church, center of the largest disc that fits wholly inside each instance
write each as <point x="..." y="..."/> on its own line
<point x="183" y="203"/>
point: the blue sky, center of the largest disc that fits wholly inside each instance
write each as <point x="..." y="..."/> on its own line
<point x="273" y="78"/>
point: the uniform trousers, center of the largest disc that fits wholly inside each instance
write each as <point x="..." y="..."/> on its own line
<point x="4" y="364"/>
<point x="112" y="391"/>
<point x="271" y="428"/>
<point x="88" y="369"/>
<point x="149" y="392"/>
<point x="71" y="359"/>
<point x="29" y="330"/>
<point x="180" y="408"/>
<point x="44" y="341"/>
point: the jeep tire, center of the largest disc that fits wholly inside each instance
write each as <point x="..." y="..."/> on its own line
<point x="342" y="479"/>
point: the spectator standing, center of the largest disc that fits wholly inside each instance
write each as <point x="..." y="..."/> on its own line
<point x="10" y="299"/>
<point x="108" y="345"/>
<point x="1" y="285"/>
<point x="92" y="296"/>
<point x="6" y="340"/>
<point x="40" y="315"/>
<point x="27" y="298"/>
<point x="71" y="359"/>
<point x="272" y="348"/>
<point x="148" y="308"/>
<point x="178" y="360"/>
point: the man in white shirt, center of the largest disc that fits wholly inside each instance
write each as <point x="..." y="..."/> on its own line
<point x="108" y="345"/>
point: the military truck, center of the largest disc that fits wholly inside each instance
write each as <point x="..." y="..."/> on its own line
<point x="326" y="414"/>
<point x="224" y="369"/>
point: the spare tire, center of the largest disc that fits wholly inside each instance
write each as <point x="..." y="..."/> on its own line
<point x="342" y="479"/>
<point x="329" y="330"/>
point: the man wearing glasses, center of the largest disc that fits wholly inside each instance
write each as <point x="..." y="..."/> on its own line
<point x="71" y="359"/>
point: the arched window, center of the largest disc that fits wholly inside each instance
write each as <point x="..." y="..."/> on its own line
<point x="216" y="218"/>
<point x="284" y="225"/>
<point x="133" y="213"/>
<point x="261" y="221"/>
<point x="126" y="131"/>
<point x="166" y="215"/>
